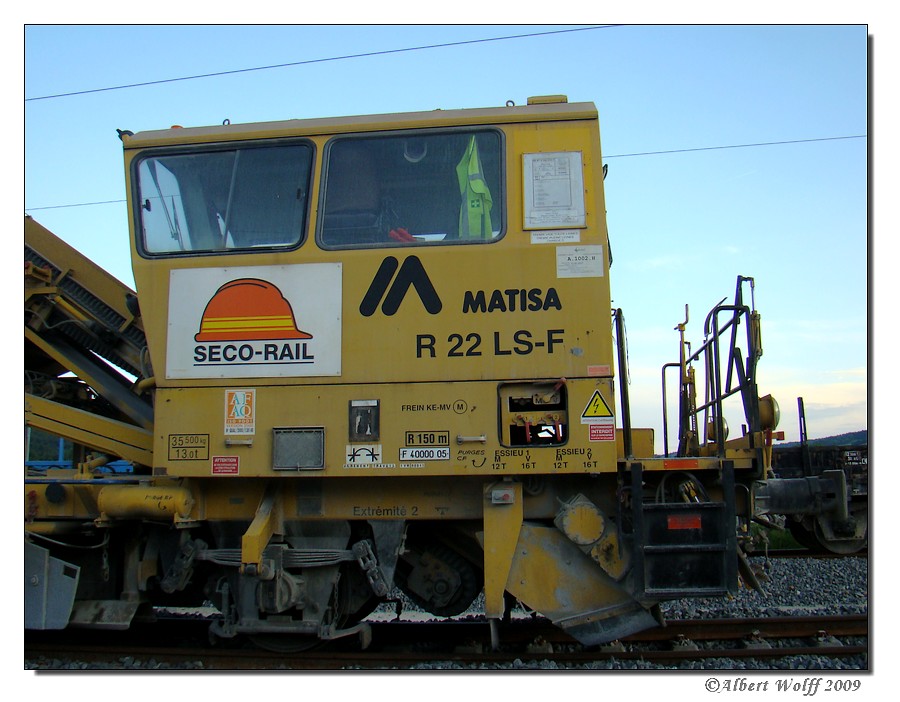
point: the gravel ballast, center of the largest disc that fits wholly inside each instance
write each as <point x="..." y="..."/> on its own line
<point x="793" y="587"/>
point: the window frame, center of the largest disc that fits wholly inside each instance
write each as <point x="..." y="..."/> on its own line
<point x="218" y="147"/>
<point x="416" y="132"/>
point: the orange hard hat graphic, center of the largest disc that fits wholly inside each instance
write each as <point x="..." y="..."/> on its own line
<point x="248" y="309"/>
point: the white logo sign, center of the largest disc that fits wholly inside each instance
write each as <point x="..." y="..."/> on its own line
<point x="255" y="322"/>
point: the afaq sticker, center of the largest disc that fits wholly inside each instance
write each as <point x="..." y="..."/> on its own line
<point x="240" y="412"/>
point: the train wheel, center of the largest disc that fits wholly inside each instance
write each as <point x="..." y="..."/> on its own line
<point x="285" y="643"/>
<point x="439" y="580"/>
<point x="351" y="602"/>
<point x="805" y="536"/>
<point x="821" y="536"/>
<point x="834" y="541"/>
<point x="355" y="600"/>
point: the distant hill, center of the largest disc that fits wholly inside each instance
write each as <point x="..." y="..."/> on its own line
<point x="853" y="438"/>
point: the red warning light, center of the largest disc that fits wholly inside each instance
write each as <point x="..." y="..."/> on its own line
<point x="684" y="521"/>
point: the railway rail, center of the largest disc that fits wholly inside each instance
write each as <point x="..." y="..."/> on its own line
<point x="467" y="643"/>
<point x="806" y="553"/>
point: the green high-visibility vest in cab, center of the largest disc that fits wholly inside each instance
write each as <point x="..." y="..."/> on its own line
<point x="475" y="207"/>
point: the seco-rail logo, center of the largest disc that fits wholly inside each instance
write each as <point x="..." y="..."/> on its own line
<point x="235" y="323"/>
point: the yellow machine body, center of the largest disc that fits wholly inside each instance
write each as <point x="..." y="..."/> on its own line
<point x="367" y="353"/>
<point x="522" y="313"/>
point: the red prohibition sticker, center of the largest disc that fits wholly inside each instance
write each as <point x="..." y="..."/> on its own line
<point x="225" y="465"/>
<point x="602" y="432"/>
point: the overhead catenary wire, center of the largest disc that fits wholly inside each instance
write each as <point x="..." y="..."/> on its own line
<point x="345" y="57"/>
<point x="606" y="156"/>
<point x="735" y="146"/>
<point x="404" y="50"/>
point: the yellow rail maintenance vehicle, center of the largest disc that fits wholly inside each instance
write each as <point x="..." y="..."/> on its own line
<point x="377" y="352"/>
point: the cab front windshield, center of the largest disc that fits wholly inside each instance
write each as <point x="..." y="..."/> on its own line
<point x="412" y="188"/>
<point x="228" y="199"/>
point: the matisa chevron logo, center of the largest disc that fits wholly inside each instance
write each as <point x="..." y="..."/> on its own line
<point x="390" y="285"/>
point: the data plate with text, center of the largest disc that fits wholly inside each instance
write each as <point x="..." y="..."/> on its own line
<point x="188" y="447"/>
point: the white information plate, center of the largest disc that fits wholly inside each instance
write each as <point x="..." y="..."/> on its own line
<point x="553" y="190"/>
<point x="579" y="261"/>
<point x="255" y="321"/>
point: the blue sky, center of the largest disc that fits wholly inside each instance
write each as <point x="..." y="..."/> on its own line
<point x="731" y="150"/>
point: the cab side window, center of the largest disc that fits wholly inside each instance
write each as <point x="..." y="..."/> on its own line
<point x="412" y="189"/>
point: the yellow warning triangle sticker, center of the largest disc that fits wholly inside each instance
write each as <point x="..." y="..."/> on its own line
<point x="596" y="407"/>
